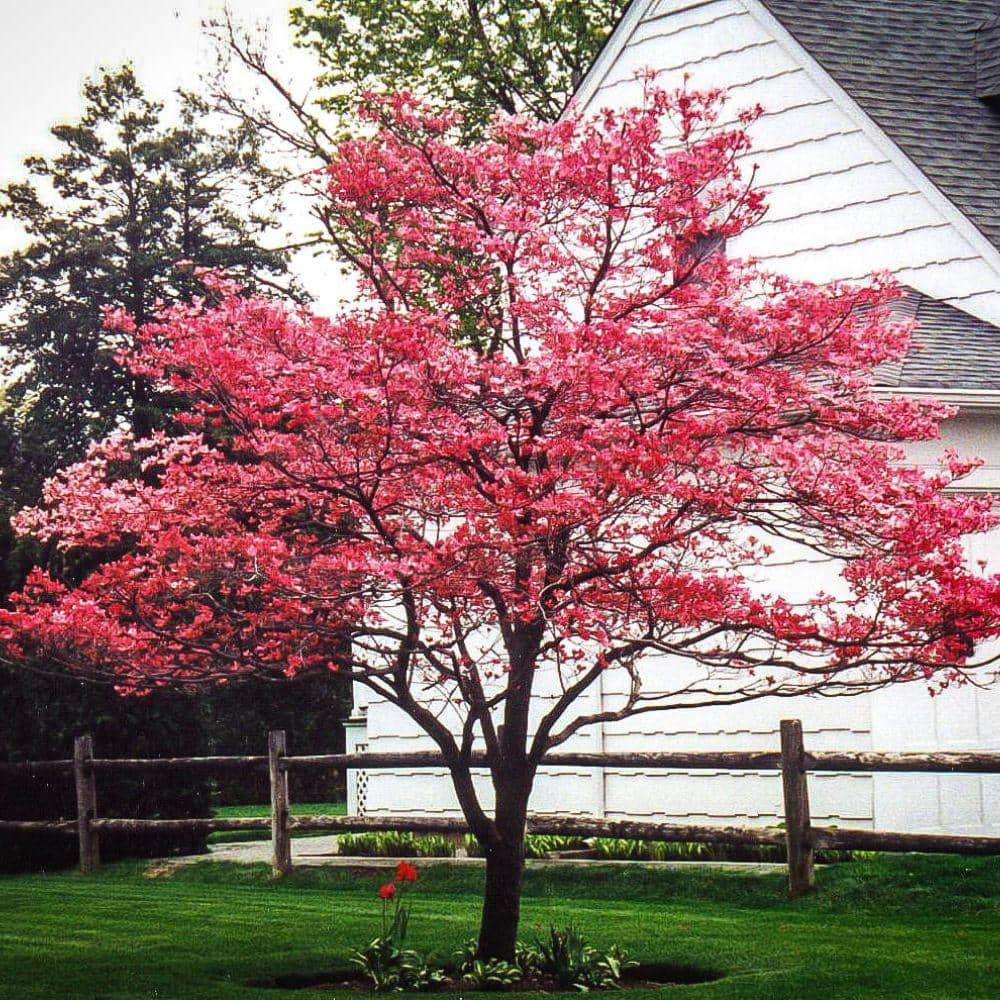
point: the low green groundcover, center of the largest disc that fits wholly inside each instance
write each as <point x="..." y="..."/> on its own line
<point x="893" y="927"/>
<point x="396" y="844"/>
<point x="393" y="844"/>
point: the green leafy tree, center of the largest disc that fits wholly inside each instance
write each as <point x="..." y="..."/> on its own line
<point x="476" y="55"/>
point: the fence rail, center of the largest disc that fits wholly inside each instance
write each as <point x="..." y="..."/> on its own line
<point x="794" y="763"/>
<point x="723" y="760"/>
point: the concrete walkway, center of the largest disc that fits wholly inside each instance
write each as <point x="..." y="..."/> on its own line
<point x="321" y="851"/>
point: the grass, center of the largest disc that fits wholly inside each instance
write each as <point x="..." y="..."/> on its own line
<point x="296" y="809"/>
<point x="901" y="927"/>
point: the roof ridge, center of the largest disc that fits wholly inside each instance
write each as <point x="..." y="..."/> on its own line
<point x="899" y="80"/>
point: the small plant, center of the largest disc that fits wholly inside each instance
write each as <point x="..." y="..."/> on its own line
<point x="527" y="957"/>
<point x="465" y="956"/>
<point x="539" y="845"/>
<point x="386" y="961"/>
<point x="494" y="974"/>
<point x="566" y="955"/>
<point x="391" y="844"/>
<point x="606" y="968"/>
<point x="388" y="844"/>
<point x="424" y="977"/>
<point x="562" y="955"/>
<point x="390" y="969"/>
<point x="536" y="845"/>
<point x="620" y="849"/>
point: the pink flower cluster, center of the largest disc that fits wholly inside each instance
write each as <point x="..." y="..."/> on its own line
<point x="554" y="435"/>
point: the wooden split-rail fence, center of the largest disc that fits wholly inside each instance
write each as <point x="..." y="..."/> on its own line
<point x="800" y="838"/>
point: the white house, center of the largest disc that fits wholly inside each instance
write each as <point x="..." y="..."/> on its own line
<point x="880" y="146"/>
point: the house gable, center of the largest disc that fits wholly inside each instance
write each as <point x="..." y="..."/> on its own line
<point x="845" y="199"/>
<point x="928" y="73"/>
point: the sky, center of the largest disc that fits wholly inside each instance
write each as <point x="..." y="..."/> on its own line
<point x="49" y="47"/>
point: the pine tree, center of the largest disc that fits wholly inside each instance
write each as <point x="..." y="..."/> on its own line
<point x="130" y="193"/>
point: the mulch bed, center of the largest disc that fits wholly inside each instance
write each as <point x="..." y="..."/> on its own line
<point x="644" y="977"/>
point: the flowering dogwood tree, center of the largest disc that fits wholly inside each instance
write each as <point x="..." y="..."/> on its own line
<point x="554" y="439"/>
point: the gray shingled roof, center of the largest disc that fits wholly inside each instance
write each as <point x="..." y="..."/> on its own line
<point x="950" y="349"/>
<point x="917" y="68"/>
<point x="911" y="66"/>
<point x="988" y="60"/>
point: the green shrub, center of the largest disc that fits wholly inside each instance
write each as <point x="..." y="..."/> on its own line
<point x="41" y="717"/>
<point x="575" y="964"/>
<point x="620" y="849"/>
<point x="564" y="954"/>
<point x="393" y="844"/>
<point x="540" y="844"/>
<point x="391" y="969"/>
<point x="536" y="845"/>
<point x="494" y="974"/>
<point x="527" y="957"/>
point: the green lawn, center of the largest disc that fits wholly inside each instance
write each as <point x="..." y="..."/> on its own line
<point x="296" y="809"/>
<point x="893" y="928"/>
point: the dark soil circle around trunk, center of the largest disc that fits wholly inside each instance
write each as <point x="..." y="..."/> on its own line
<point x="644" y="977"/>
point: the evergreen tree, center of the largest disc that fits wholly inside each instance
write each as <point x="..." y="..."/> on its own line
<point x="128" y="195"/>
<point x="131" y="190"/>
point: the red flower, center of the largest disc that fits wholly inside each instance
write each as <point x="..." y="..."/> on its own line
<point x="405" y="872"/>
<point x="387" y="891"/>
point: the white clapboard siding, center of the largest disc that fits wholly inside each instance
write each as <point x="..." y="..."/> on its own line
<point x="418" y="792"/>
<point x="833" y="160"/>
<point x="662" y="19"/>
<point x="929" y="249"/>
<point x="901" y="718"/>
<point x="905" y="212"/>
<point x="733" y="797"/>
<point x="844" y="201"/>
<point x="959" y="282"/>
<point x="744" y="65"/>
<point x="971" y="433"/>
<point x="706" y="33"/>
<point x="813" y="196"/>
<point x="962" y="719"/>
<point x="778" y="90"/>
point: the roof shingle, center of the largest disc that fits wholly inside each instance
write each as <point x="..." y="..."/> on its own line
<point x="950" y="349"/>
<point x="911" y="65"/>
<point x="917" y="68"/>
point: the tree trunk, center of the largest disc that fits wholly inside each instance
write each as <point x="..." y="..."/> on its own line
<point x="505" y="866"/>
<point x="501" y="901"/>
<point x="513" y="776"/>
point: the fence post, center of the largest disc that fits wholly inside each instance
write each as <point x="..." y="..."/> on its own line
<point x="281" y="843"/>
<point x="86" y="802"/>
<point x="457" y="841"/>
<point x="798" y="834"/>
